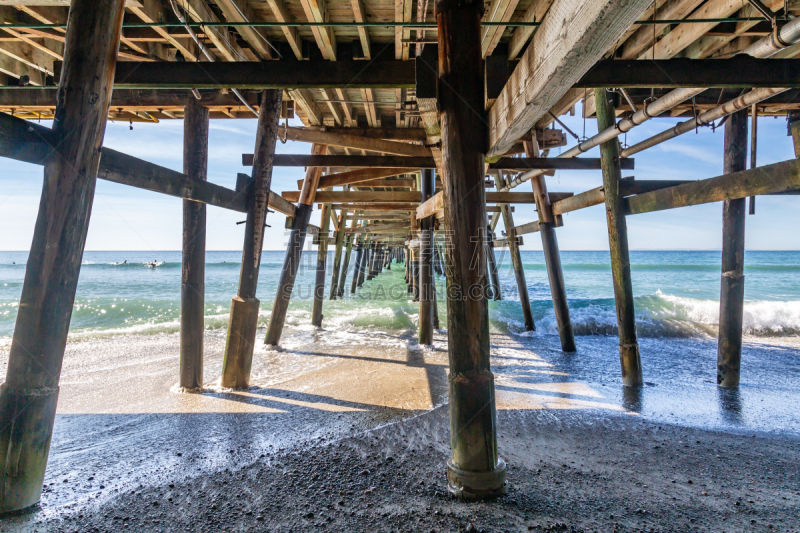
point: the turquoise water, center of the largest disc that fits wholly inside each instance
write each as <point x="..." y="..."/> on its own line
<point x="676" y="294"/>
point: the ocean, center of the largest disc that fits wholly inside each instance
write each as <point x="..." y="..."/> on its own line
<point x="123" y="419"/>
<point x="676" y="294"/>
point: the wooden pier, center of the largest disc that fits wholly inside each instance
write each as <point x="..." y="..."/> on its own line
<point x="418" y="147"/>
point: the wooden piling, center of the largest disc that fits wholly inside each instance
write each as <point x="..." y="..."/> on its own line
<point x="731" y="301"/>
<point x="359" y="263"/>
<point x="337" y="255"/>
<point x="365" y="260"/>
<point x="243" y="321"/>
<point x="519" y="272"/>
<point x="474" y="470"/>
<point x="294" y="251"/>
<point x="322" y="258"/>
<point x="414" y="271"/>
<point x="193" y="271"/>
<point x="426" y="296"/>
<point x="29" y="394"/>
<point x="630" y="360"/>
<point x="494" y="278"/>
<point x="552" y="257"/>
<point x="346" y="264"/>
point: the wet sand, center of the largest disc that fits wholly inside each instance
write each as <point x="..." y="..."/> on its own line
<point x="349" y="433"/>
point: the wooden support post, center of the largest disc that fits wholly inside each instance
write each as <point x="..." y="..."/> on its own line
<point x="494" y="278"/>
<point x="337" y="256"/>
<point x="519" y="273"/>
<point x="474" y="470"/>
<point x="322" y="258"/>
<point x="372" y="268"/>
<point x="346" y="264"/>
<point x="630" y="359"/>
<point x="29" y="395"/>
<point x="731" y="300"/>
<point x="552" y="257"/>
<point x="753" y="150"/>
<point x="241" y="338"/>
<point x="426" y="290"/>
<point x="365" y="261"/>
<point x="414" y="272"/>
<point x="294" y="251"/>
<point x="359" y="263"/>
<point x="195" y="165"/>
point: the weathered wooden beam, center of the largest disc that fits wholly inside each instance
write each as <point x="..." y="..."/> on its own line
<point x="575" y="163"/>
<point x="627" y="187"/>
<point x="388" y="133"/>
<point x="572" y="37"/>
<point x="241" y="335"/>
<point x="352" y="161"/>
<point x="225" y="43"/>
<point x="45" y="97"/>
<point x="768" y="179"/>
<point x="505" y="243"/>
<point x="376" y="227"/>
<point x="363" y="176"/>
<point x="151" y="11"/>
<point x="363" y="35"/>
<point x="741" y="71"/>
<point x="280" y="205"/>
<point x="685" y="34"/>
<point x="436" y="202"/>
<point x="242" y="11"/>
<point x="530" y="227"/>
<point x="311" y="135"/>
<point x="357" y="196"/>
<point x="536" y="11"/>
<point x="193" y="257"/>
<point x="640" y="38"/>
<point x="281" y="14"/>
<point x="499" y="11"/>
<point x="26" y="141"/>
<point x="29" y="394"/>
<point x="392" y="183"/>
<point x="263" y="75"/>
<point x="317" y="11"/>
<point x="360" y="206"/>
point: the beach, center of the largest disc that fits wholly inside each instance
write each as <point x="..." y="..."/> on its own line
<point x="345" y="427"/>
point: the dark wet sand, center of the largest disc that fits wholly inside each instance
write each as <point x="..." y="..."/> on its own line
<point x="566" y="473"/>
<point x="337" y="437"/>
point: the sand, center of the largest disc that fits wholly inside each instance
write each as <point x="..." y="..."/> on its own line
<point x="340" y="435"/>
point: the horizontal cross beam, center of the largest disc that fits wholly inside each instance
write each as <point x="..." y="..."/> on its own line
<point x="435" y="203"/>
<point x="25" y="141"/>
<point x="770" y="179"/>
<point x="393" y="161"/>
<point x="262" y="75"/>
<point x="556" y="163"/>
<point x="740" y="71"/>
<point x="352" y="161"/>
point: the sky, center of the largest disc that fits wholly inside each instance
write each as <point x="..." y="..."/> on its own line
<point x="125" y="218"/>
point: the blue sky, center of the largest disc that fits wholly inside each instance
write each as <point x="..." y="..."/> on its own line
<point x="125" y="218"/>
